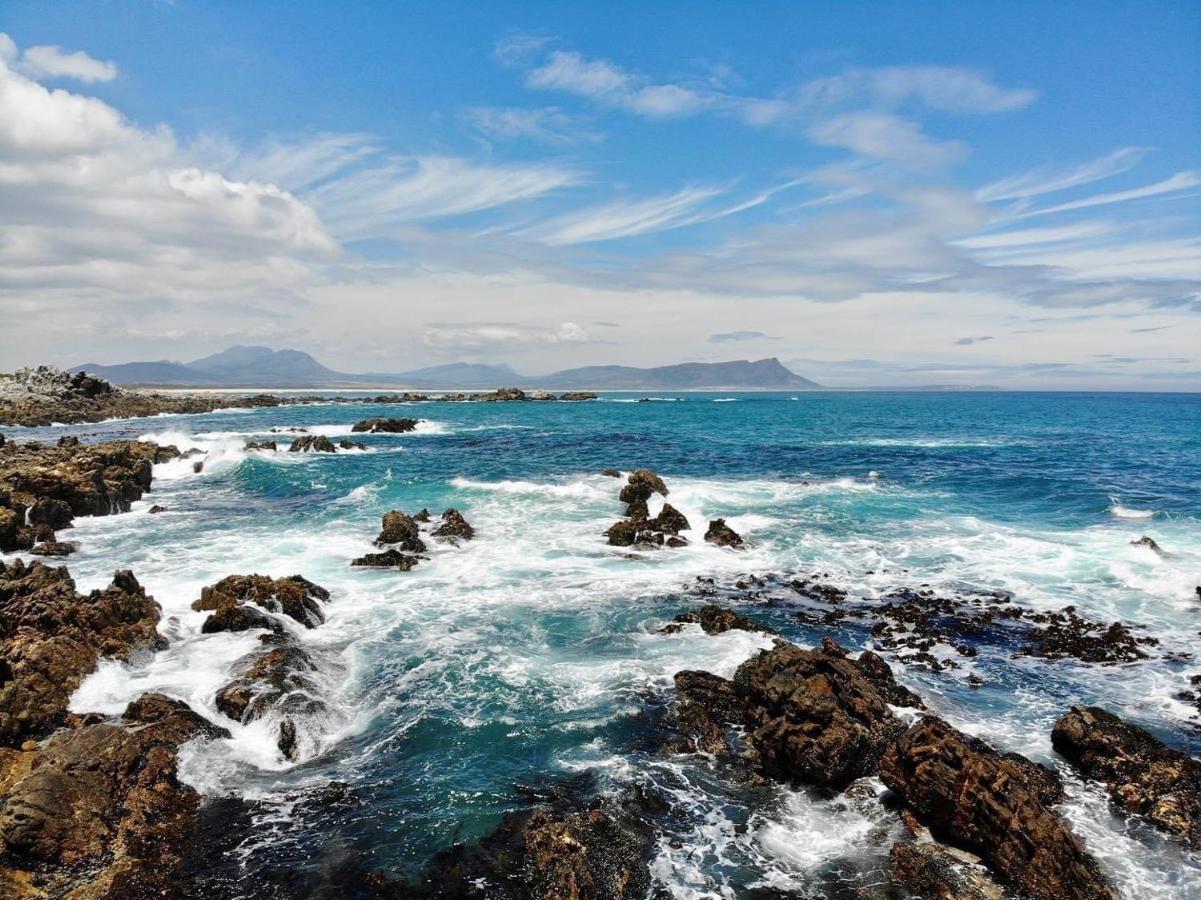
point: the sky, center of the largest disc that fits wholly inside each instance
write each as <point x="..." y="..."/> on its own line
<point x="878" y="194"/>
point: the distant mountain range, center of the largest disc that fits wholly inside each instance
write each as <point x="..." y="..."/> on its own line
<point x="263" y="367"/>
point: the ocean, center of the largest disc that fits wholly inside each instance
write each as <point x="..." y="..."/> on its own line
<point x="531" y="655"/>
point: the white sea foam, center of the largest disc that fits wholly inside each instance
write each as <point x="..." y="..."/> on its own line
<point x="1125" y="512"/>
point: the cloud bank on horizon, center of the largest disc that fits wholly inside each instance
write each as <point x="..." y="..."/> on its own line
<point x="547" y="198"/>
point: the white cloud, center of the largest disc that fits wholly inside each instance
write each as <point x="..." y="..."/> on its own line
<point x="612" y="85"/>
<point x="882" y="135"/>
<point x="944" y="88"/>
<point x="624" y="218"/>
<point x="1047" y="180"/>
<point x="472" y="336"/>
<point x="55" y="62"/>
<point x="1027" y="237"/>
<point x="549" y="125"/>
<point x="1181" y="181"/>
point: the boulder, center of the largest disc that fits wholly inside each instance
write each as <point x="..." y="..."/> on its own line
<point x="669" y="521"/>
<point x="454" y="527"/>
<point x="577" y="395"/>
<point x="312" y="443"/>
<point x="401" y="531"/>
<point x="994" y="806"/>
<point x="1143" y="776"/>
<point x="722" y="535"/>
<point x="351" y="445"/>
<point x="55" y="548"/>
<point x="610" y="473"/>
<point x="51" y="637"/>
<point x="385" y="426"/>
<point x="294" y="596"/>
<point x="640" y="484"/>
<point x="102" y="813"/>
<point x="263" y="445"/>
<point x="389" y="559"/>
<point x="933" y="871"/>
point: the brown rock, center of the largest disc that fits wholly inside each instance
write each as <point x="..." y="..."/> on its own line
<point x="1143" y="776"/>
<point x="312" y="443"/>
<point x="402" y="531"/>
<point x="51" y="637"/>
<point x="294" y="596"/>
<point x="715" y="619"/>
<point x="389" y="559"/>
<point x="454" y="527"/>
<point x="933" y="871"/>
<point x="669" y="521"/>
<point x="722" y="534"/>
<point x="991" y="805"/>
<point x="102" y="810"/>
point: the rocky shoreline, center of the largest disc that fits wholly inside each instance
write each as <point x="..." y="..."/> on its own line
<point x="47" y="395"/>
<point x="92" y="806"/>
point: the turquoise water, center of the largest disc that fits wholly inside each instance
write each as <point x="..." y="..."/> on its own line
<point x="532" y="653"/>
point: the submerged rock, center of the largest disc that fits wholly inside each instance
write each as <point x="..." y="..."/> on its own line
<point x="611" y="473"/>
<point x="51" y="637"/>
<point x="454" y="527"/>
<point x="385" y="426"/>
<point x="1150" y="544"/>
<point x="715" y="619"/>
<point x="278" y="682"/>
<point x="722" y="534"/>
<point x="995" y="806"/>
<point x="294" y="596"/>
<point x="102" y="813"/>
<point x="1069" y="635"/>
<point x="1143" y="776"/>
<point x="937" y="872"/>
<point x="389" y="559"/>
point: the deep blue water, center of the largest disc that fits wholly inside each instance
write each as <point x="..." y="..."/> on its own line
<point x="532" y="651"/>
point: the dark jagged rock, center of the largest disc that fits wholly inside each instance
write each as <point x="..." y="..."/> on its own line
<point x="385" y="426"/>
<point x="548" y="853"/>
<point x="640" y="484"/>
<point x="715" y="619"/>
<point x="351" y="445"/>
<point x="155" y="509"/>
<point x="1143" y="776"/>
<point x="454" y="527"/>
<point x="43" y="486"/>
<point x="708" y="706"/>
<point x="722" y="534"/>
<point x="501" y="395"/>
<point x="262" y="445"/>
<point x="400" y="530"/>
<point x="312" y="443"/>
<point x="994" y="806"/>
<point x="389" y="559"/>
<point x="239" y="618"/>
<point x="818" y="717"/>
<point x="423" y="515"/>
<point x="1150" y="544"/>
<point x="102" y="814"/>
<point x="611" y="473"/>
<point x="638" y="511"/>
<point x="51" y="637"/>
<point x="669" y="521"/>
<point x="279" y="681"/>
<point x="933" y="871"/>
<point x="1087" y="641"/>
<point x="55" y="548"/>
<point x="294" y="596"/>
<point x="623" y="533"/>
<point x="577" y="395"/>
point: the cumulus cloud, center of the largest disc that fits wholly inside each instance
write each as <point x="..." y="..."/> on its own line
<point x="54" y="62"/>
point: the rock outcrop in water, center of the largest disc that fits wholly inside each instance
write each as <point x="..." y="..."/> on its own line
<point x="400" y="531"/>
<point x="1143" y="776"/>
<point x="385" y="426"/>
<point x="294" y="596"/>
<point x="638" y="528"/>
<point x="47" y="394"/>
<point x="821" y="718"/>
<point x="101" y="813"/>
<point x="312" y="443"/>
<point x="722" y="535"/>
<point x="995" y="806"/>
<point x="51" y="637"/>
<point x="453" y="527"/>
<point x="43" y="487"/>
<point x="714" y="619"/>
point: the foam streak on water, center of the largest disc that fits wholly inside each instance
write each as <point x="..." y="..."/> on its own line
<point x="534" y="648"/>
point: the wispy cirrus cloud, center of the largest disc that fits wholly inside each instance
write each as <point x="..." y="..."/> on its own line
<point x="548" y="125"/>
<point x="1178" y="185"/>
<point x="1047" y="180"/>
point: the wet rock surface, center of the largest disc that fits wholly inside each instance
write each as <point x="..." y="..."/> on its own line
<point x="638" y="528"/>
<point x="453" y="527"/>
<point x="933" y="871"/>
<point x="312" y="443"/>
<point x="715" y="619"/>
<point x="294" y="596"/>
<point x="101" y="813"/>
<point x="43" y="487"/>
<point x="385" y="426"/>
<point x="51" y="637"/>
<point x="401" y="531"/>
<point x="722" y="535"/>
<point x="388" y="559"/>
<point x="1142" y="775"/>
<point x="995" y="806"/>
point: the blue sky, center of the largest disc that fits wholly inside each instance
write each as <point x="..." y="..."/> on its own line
<point x="883" y="193"/>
